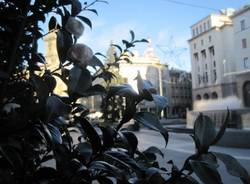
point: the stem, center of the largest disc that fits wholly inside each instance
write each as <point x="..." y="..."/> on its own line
<point x="12" y="58"/>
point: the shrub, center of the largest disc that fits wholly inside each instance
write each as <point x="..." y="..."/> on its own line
<point x="38" y="128"/>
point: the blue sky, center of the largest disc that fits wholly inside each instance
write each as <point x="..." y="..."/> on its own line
<point x="167" y="24"/>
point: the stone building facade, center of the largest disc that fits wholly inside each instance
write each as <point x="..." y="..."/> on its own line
<point x="180" y="93"/>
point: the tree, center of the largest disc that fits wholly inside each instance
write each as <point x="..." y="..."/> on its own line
<point x="38" y="128"/>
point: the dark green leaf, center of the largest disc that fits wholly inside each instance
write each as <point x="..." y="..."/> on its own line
<point x="76" y="7"/>
<point x="123" y="159"/>
<point x="40" y="87"/>
<point x="153" y="176"/>
<point x="132" y="35"/>
<point x="106" y="167"/>
<point x="222" y="129"/>
<point x="129" y="112"/>
<point x="63" y="43"/>
<point x="107" y="137"/>
<point x="92" y="135"/>
<point x="93" y="10"/>
<point x="206" y="172"/>
<point x="132" y="140"/>
<point x="79" y="80"/>
<point x="124" y="90"/>
<point x="154" y="150"/>
<point x="160" y="101"/>
<point x="96" y="62"/>
<point x="204" y="130"/>
<point x="234" y="167"/>
<point x="127" y="44"/>
<point x="100" y="54"/>
<point x="55" y="107"/>
<point x="85" y="151"/>
<point x="45" y="173"/>
<point x="52" y="23"/>
<point x="118" y="47"/>
<point x="50" y="81"/>
<point x="86" y="21"/>
<point x="151" y="121"/>
<point x="55" y="133"/>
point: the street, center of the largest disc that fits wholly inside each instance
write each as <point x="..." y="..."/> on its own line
<point x="181" y="146"/>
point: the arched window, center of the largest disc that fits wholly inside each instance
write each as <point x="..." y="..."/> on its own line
<point x="198" y="97"/>
<point x="214" y="95"/>
<point x="246" y="93"/>
<point x="206" y="96"/>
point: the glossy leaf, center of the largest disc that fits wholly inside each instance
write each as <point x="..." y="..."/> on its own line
<point x="160" y="101"/>
<point x="86" y="21"/>
<point x="132" y="140"/>
<point x="55" y="107"/>
<point x="95" y="62"/>
<point x="204" y="130"/>
<point x="63" y="43"/>
<point x="151" y="121"/>
<point x="234" y="167"/>
<point x="52" y="23"/>
<point x="123" y="159"/>
<point x="108" y="168"/>
<point x="92" y="135"/>
<point x="206" y="172"/>
<point x="76" y="7"/>
<point x="85" y="151"/>
<point x="154" y="150"/>
<point x="79" y="80"/>
<point x="132" y="35"/>
<point x="222" y="129"/>
<point x="55" y="133"/>
<point x="107" y="137"/>
<point x="40" y="87"/>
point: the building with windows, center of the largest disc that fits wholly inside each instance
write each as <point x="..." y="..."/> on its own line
<point x="220" y="56"/>
<point x="211" y="49"/>
<point x="180" y="93"/>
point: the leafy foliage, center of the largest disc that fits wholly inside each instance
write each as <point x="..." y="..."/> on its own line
<point x="47" y="138"/>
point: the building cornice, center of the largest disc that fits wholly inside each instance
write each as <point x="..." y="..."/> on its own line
<point x="213" y="28"/>
<point x="241" y="11"/>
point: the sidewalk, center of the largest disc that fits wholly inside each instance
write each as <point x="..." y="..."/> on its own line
<point x="184" y="143"/>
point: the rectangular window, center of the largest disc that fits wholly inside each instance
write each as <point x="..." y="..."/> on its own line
<point x="242" y="25"/>
<point x="199" y="78"/>
<point x="206" y="77"/>
<point x="203" y="54"/>
<point x="200" y="29"/>
<point x="202" y="42"/>
<point x="246" y="62"/>
<point x="197" y="31"/>
<point x="193" y="32"/>
<point x="204" y="26"/>
<point x="211" y="51"/>
<point x="209" y="38"/>
<point x="196" y="57"/>
<point x="208" y="24"/>
<point x="244" y="43"/>
<point x="215" y="75"/>
<point x="214" y="64"/>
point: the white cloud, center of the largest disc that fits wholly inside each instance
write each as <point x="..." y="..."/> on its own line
<point x="99" y="40"/>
